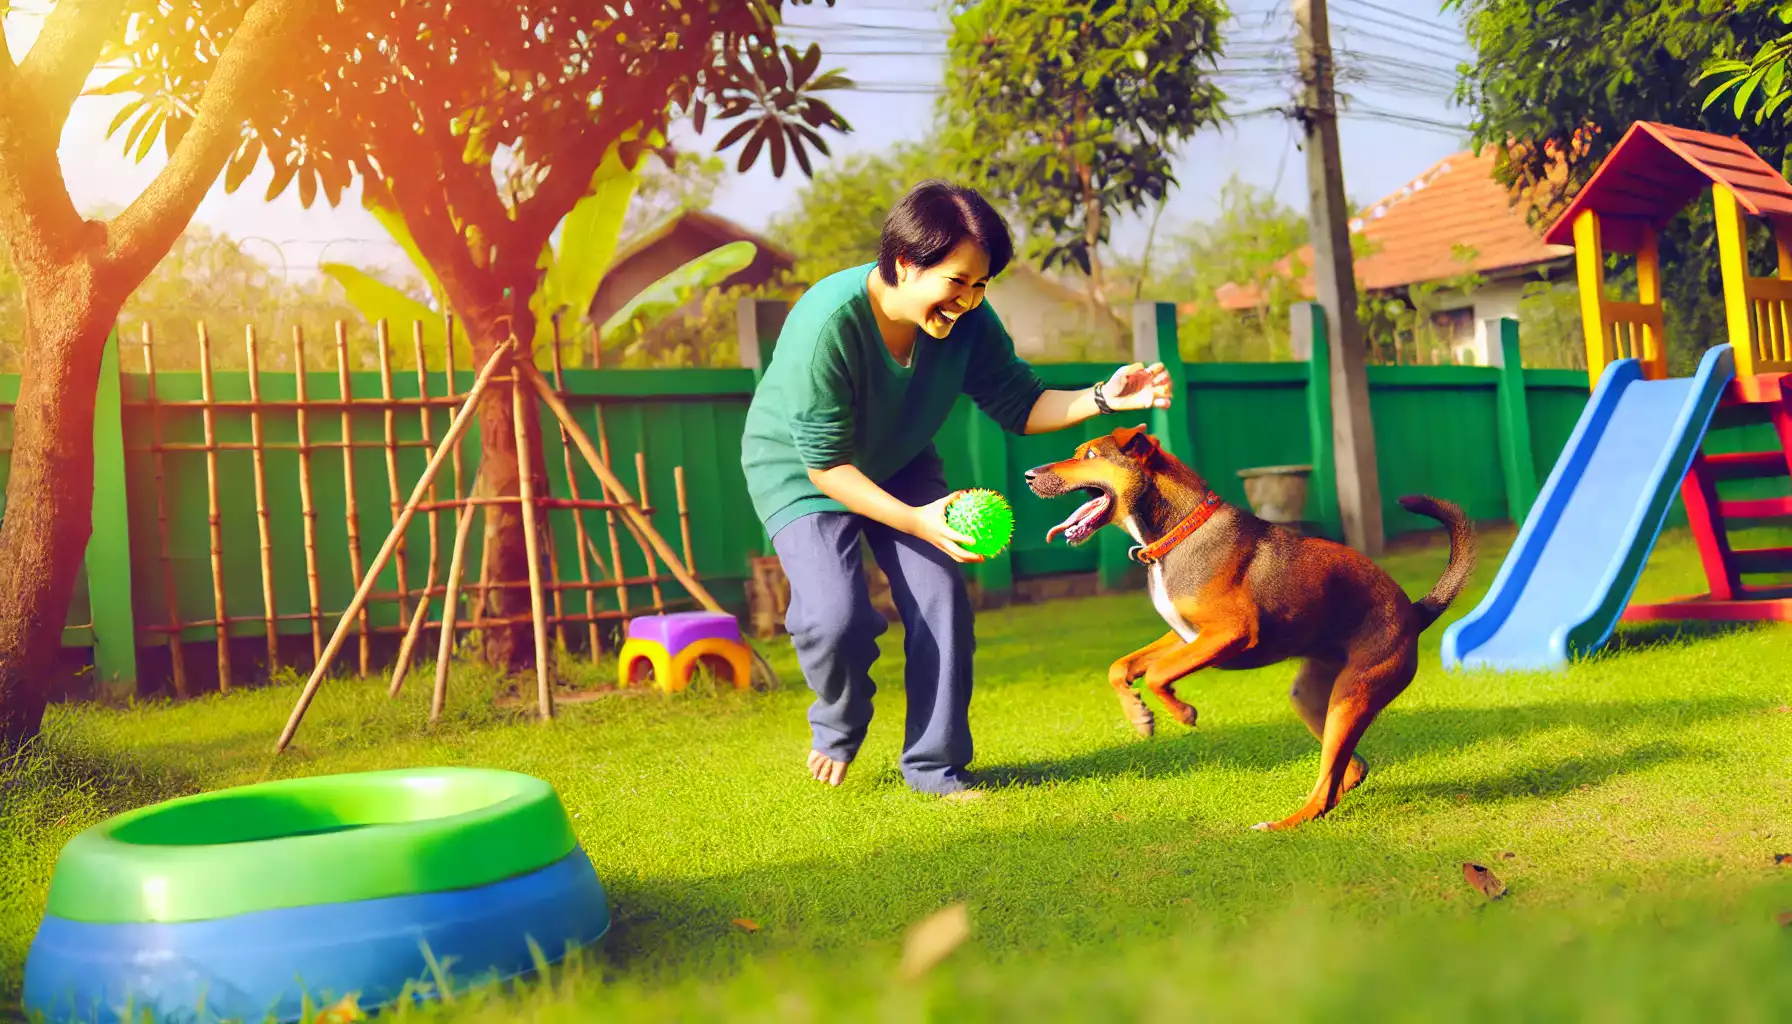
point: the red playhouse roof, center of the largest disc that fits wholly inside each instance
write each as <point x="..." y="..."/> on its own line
<point x="1656" y="169"/>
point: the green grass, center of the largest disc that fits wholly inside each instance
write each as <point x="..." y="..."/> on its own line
<point x="1633" y="805"/>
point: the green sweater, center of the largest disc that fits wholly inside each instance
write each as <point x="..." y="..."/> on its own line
<point x="834" y="394"/>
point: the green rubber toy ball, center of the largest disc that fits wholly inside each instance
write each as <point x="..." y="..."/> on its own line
<point x="984" y="516"/>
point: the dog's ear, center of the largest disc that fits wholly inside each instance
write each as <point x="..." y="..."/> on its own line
<point x="1135" y="442"/>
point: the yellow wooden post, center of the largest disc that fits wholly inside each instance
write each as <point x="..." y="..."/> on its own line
<point x="1783" y="309"/>
<point x="1654" y="355"/>
<point x="1732" y="255"/>
<point x="1589" y="264"/>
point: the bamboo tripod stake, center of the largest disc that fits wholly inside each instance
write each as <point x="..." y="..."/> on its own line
<point x="451" y="602"/>
<point x="632" y="515"/>
<point x="211" y="506"/>
<point x="312" y="588"/>
<point x="408" y="647"/>
<point x="633" y="518"/>
<point x="531" y="543"/>
<point x="263" y="523"/>
<point x="461" y="420"/>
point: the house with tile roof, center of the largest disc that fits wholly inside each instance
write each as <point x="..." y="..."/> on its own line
<point x="1450" y="220"/>
<point x="1052" y="320"/>
<point x="674" y="240"/>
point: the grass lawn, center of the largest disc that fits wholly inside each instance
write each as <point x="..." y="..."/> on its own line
<point x="1633" y="806"/>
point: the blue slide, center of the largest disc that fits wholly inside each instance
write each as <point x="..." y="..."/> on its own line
<point x="1578" y="556"/>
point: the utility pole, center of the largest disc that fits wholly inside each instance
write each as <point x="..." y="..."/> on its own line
<point x="1334" y="279"/>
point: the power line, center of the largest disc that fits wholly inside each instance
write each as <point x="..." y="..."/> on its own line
<point x="1418" y="30"/>
<point x="1346" y="56"/>
<point x="1384" y="9"/>
<point x="1415" y="120"/>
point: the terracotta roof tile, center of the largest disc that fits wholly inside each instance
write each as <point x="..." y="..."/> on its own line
<point x="1415" y="231"/>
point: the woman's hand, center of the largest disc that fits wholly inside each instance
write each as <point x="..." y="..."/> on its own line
<point x="929" y="524"/>
<point x="1137" y="386"/>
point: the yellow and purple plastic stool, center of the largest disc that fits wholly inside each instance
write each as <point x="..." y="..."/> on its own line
<point x="671" y="646"/>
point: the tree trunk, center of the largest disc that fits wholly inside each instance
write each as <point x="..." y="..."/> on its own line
<point x="1098" y="299"/>
<point x="510" y="640"/>
<point x="49" y="496"/>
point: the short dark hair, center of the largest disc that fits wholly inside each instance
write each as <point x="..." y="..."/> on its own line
<point x="933" y="219"/>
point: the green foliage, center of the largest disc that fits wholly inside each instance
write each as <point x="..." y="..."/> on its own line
<point x="1566" y="80"/>
<point x="837" y="218"/>
<point x="1402" y="328"/>
<point x="375" y="300"/>
<point x="1067" y="112"/>
<point x="675" y="289"/>
<point x="1245" y="242"/>
<point x="573" y="268"/>
<point x="706" y="334"/>
<point x="227" y="284"/>
<point x="485" y="126"/>
<point x="1763" y="77"/>
<point x="1550" y="333"/>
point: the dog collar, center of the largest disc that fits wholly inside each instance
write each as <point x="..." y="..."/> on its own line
<point x="1157" y="549"/>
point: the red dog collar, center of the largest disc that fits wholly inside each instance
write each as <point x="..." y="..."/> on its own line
<point x="1154" y="551"/>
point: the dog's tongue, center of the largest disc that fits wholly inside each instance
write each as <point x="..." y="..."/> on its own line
<point x="1088" y="510"/>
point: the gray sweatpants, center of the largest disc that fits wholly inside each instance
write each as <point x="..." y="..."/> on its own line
<point x="835" y="631"/>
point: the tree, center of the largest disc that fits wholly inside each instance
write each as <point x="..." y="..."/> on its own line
<point x="1395" y="321"/>
<point x="837" y="219"/>
<point x="1066" y="111"/>
<point x="475" y="129"/>
<point x="224" y="282"/>
<point x="573" y="268"/>
<point x="1245" y="244"/>
<point x="479" y="126"/>
<point x="1555" y="85"/>
<point x="75" y="272"/>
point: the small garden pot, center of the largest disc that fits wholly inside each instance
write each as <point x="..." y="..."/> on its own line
<point x="1278" y="494"/>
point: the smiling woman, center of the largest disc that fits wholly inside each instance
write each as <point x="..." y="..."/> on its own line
<point x="838" y="447"/>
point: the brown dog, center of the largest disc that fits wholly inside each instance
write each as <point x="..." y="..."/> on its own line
<point x="1239" y="592"/>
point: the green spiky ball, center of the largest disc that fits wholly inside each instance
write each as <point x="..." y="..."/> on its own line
<point x="984" y="516"/>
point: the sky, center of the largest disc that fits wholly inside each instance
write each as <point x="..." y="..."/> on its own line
<point x="1396" y="59"/>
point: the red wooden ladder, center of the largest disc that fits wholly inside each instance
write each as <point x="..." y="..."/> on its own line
<point x="1729" y="598"/>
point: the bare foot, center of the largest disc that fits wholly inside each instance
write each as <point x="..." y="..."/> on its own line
<point x="826" y="769"/>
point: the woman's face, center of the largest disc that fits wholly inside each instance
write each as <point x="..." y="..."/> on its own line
<point x="937" y="296"/>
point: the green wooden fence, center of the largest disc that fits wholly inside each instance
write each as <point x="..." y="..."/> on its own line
<point x="1484" y="437"/>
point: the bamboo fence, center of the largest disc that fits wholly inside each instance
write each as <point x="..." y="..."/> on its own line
<point x="431" y="604"/>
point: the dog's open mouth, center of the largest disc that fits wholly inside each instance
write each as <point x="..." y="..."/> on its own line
<point x="1083" y="523"/>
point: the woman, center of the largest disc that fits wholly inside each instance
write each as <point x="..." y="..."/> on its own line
<point x="839" y="444"/>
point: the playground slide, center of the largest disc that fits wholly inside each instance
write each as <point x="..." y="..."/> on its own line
<point x="1578" y="556"/>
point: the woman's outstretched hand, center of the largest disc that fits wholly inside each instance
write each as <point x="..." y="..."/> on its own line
<point x="1137" y="386"/>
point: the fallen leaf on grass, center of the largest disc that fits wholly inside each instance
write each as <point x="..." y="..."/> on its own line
<point x="933" y="940"/>
<point x="341" y="1012"/>
<point x="746" y="924"/>
<point x="1785" y="918"/>
<point x="1485" y="881"/>
<point x="1508" y="855"/>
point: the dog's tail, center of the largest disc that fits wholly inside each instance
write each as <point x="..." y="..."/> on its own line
<point x="1462" y="556"/>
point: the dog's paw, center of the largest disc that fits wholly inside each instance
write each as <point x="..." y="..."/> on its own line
<point x="1186" y="715"/>
<point x="1145" y="727"/>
